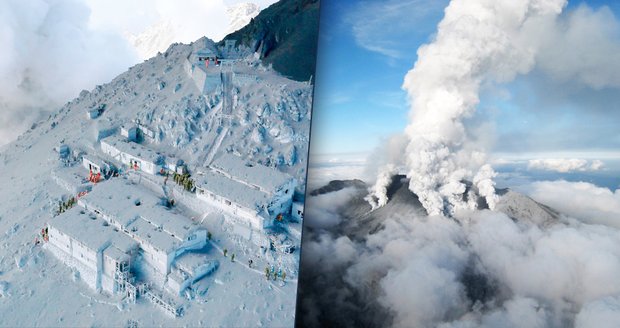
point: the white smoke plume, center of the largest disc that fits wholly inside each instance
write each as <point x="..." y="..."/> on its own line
<point x="50" y="53"/>
<point x="477" y="42"/>
<point x="378" y="192"/>
<point x="485" y="184"/>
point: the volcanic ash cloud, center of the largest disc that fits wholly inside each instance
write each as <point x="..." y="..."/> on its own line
<point x="478" y="41"/>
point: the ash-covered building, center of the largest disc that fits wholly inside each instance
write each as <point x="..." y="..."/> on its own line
<point x="258" y="194"/>
<point x="102" y="255"/>
<point x="132" y="154"/>
<point x="120" y="227"/>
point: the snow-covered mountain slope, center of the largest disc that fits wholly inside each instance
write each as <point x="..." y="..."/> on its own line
<point x="269" y="124"/>
<point x="241" y="14"/>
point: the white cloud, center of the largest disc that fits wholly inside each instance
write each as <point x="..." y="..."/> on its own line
<point x="579" y="47"/>
<point x="601" y="313"/>
<point x="582" y="200"/>
<point x="383" y="27"/>
<point x="565" y="165"/>
<point x="324" y="208"/>
<point x="327" y="167"/>
<point x="49" y="55"/>
<point x="53" y="49"/>
<point x="557" y="275"/>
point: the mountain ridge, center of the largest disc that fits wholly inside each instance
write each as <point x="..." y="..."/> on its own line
<point x="284" y="35"/>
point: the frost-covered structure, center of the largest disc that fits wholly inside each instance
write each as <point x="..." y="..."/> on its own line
<point x="202" y="67"/>
<point x="155" y="108"/>
<point x="130" y="132"/>
<point x="163" y="235"/>
<point x="121" y="232"/>
<point x="102" y="255"/>
<point x="132" y="154"/>
<point x="96" y="164"/>
<point x="256" y="193"/>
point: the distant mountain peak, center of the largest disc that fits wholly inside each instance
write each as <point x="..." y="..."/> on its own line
<point x="241" y="14"/>
<point x="285" y="35"/>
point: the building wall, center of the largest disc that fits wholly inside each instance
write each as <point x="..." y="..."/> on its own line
<point x="204" y="82"/>
<point x="282" y="200"/>
<point x="195" y="240"/>
<point x="199" y="77"/>
<point x="130" y="133"/>
<point x="125" y="158"/>
<point x="89" y="165"/>
<point x="212" y="82"/>
<point x="108" y="284"/>
<point x="144" y="165"/>
<point x="108" y="270"/>
<point x="250" y="216"/>
<point x="158" y="259"/>
<point x="104" y="132"/>
<point x="60" y="240"/>
<point x="84" y="254"/>
<point x="76" y="256"/>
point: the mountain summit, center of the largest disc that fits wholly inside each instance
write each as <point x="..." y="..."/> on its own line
<point x="285" y="36"/>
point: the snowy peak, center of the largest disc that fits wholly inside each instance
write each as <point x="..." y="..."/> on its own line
<point x="284" y="35"/>
<point x="154" y="39"/>
<point x="522" y="208"/>
<point x="240" y="15"/>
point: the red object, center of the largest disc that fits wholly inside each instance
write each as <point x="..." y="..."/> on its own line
<point x="207" y="63"/>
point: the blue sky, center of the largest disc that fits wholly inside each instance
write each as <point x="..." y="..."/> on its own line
<point x="366" y="48"/>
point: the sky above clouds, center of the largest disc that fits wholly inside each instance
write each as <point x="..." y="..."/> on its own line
<point x="53" y="49"/>
<point x="567" y="103"/>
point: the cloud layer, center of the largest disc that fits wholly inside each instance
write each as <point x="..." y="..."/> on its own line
<point x="49" y="55"/>
<point x="481" y="269"/>
<point x="53" y="49"/>
<point x="565" y="165"/>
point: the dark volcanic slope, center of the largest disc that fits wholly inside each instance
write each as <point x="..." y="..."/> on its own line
<point x="286" y="34"/>
<point x="360" y="221"/>
<point x="336" y="185"/>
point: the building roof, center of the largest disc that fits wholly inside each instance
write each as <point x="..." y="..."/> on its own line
<point x="263" y="177"/>
<point x="153" y="236"/>
<point x="91" y="231"/>
<point x="232" y="190"/>
<point x="96" y="160"/>
<point x="189" y="262"/>
<point x="118" y="199"/>
<point x="115" y="253"/>
<point x="137" y="150"/>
